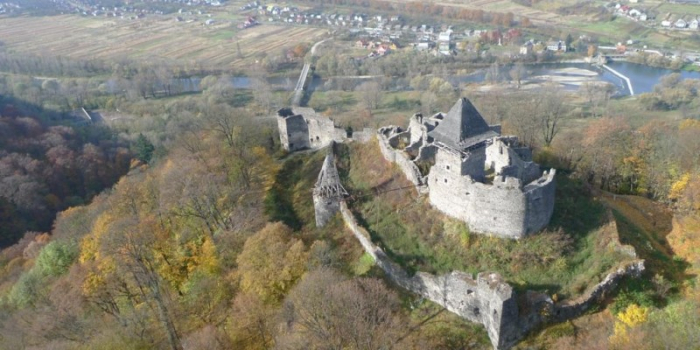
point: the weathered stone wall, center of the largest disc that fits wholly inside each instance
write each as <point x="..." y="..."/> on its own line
<point x="400" y="158"/>
<point x="302" y="128"/>
<point x="503" y="208"/>
<point x="569" y="309"/>
<point x="505" y="160"/>
<point x="325" y="209"/>
<point x="294" y="132"/>
<point x="498" y="209"/>
<point x="426" y="153"/>
<point x="322" y="132"/>
<point x="539" y="198"/>
<point x="488" y="299"/>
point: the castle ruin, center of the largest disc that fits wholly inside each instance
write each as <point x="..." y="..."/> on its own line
<point x="481" y="174"/>
<point x="301" y="128"/>
<point x="476" y="175"/>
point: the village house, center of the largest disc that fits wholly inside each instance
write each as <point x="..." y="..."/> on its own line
<point x="680" y="23"/>
<point x="556" y="46"/>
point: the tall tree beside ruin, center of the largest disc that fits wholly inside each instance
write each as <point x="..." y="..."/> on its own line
<point x="324" y="309"/>
<point x="552" y="112"/>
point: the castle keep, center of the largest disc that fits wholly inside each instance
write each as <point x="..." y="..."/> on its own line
<point x="477" y="176"/>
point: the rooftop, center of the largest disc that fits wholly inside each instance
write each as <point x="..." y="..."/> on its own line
<point x="462" y="127"/>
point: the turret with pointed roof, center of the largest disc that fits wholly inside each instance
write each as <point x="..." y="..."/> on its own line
<point x="328" y="182"/>
<point x="462" y="127"/>
<point x="328" y="191"/>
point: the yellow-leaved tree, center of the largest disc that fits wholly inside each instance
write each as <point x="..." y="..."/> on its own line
<point x="633" y="316"/>
<point x="271" y="262"/>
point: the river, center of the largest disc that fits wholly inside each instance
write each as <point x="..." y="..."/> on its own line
<point x="643" y="78"/>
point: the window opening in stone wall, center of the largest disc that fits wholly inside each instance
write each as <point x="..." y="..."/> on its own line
<point x="476" y="311"/>
<point x="445" y="180"/>
<point x="448" y="167"/>
<point x="317" y="138"/>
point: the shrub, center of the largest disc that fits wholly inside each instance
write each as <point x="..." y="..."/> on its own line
<point x="56" y="258"/>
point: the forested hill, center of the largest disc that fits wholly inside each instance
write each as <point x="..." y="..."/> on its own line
<point x="48" y="168"/>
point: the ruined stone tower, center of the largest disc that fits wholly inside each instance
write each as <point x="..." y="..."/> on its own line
<point x="328" y="192"/>
<point x="487" y="180"/>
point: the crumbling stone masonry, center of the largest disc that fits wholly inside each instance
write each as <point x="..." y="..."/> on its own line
<point x="301" y="128"/>
<point x="478" y="176"/>
<point x="488" y="299"/>
<point x="328" y="191"/>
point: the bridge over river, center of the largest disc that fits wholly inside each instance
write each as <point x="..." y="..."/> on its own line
<point x="299" y="89"/>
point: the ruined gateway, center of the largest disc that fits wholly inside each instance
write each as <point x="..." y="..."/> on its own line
<point x="476" y="175"/>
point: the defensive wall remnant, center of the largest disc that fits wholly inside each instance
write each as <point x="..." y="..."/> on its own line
<point x="302" y="128"/>
<point x="488" y="299"/>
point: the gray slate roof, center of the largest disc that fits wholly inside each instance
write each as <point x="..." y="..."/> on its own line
<point x="462" y="127"/>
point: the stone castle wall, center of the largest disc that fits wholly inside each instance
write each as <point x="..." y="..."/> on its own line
<point x="400" y="158"/>
<point x="302" y="128"/>
<point x="325" y="209"/>
<point x="488" y="299"/>
<point x="539" y="200"/>
<point x="294" y="132"/>
<point x="507" y="161"/>
<point x="503" y="208"/>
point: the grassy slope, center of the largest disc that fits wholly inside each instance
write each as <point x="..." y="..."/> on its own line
<point x="420" y="238"/>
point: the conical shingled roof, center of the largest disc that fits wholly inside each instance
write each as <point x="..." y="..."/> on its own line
<point x="328" y="182"/>
<point x="462" y="127"/>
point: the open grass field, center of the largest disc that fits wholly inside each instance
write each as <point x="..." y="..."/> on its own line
<point x="212" y="46"/>
<point x="680" y="9"/>
<point x="503" y="6"/>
